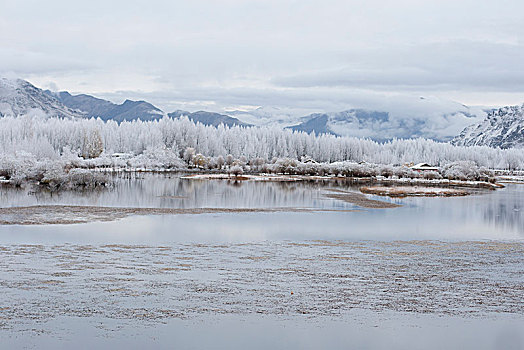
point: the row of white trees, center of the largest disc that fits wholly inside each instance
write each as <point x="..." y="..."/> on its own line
<point x="53" y="138"/>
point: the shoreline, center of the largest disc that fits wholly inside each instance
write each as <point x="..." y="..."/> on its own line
<point x="363" y="180"/>
<point x="82" y="214"/>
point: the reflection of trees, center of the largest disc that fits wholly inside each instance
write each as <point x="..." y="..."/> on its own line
<point x="502" y="209"/>
<point x="230" y="193"/>
<point x="235" y="183"/>
<point x="506" y="208"/>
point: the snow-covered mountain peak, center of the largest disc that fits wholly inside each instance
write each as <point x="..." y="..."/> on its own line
<point x="19" y="97"/>
<point x="503" y="127"/>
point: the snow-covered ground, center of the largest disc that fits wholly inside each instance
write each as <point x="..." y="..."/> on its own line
<point x="509" y="178"/>
<point x="102" y="290"/>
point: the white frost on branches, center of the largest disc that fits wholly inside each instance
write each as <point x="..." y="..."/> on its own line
<point x="29" y="144"/>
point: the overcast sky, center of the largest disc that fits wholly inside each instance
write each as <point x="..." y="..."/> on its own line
<point x="229" y="54"/>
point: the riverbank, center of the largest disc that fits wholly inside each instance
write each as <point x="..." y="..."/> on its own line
<point x="363" y="180"/>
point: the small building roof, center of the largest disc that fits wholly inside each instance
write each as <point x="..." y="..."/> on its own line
<point x="121" y="155"/>
<point x="423" y="166"/>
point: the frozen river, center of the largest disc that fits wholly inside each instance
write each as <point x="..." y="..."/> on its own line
<point x="316" y="273"/>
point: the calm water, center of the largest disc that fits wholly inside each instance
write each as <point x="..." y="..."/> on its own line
<point x="492" y="215"/>
<point x="434" y="273"/>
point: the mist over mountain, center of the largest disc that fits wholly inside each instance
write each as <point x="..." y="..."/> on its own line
<point x="384" y="126"/>
<point x="402" y="117"/>
<point x="270" y="116"/>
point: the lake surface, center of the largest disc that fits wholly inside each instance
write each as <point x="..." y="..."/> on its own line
<point x="433" y="273"/>
<point x="492" y="215"/>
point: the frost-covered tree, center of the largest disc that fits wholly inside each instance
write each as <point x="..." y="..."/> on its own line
<point x="236" y="170"/>
<point x="199" y="160"/>
<point x="92" y="145"/>
<point x="189" y="153"/>
<point x="220" y="162"/>
<point x="96" y="140"/>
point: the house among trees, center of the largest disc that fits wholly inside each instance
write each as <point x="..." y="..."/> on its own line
<point x="420" y="167"/>
<point x="122" y="155"/>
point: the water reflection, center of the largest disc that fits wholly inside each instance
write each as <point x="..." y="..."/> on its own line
<point x="169" y="191"/>
<point x="506" y="208"/>
<point x="495" y="215"/>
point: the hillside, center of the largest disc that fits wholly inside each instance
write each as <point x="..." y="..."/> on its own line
<point x="98" y="108"/>
<point x="502" y="128"/>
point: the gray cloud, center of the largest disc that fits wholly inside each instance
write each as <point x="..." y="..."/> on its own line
<point x="312" y="54"/>
<point x="439" y="66"/>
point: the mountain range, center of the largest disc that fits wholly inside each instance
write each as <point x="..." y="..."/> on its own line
<point x="423" y="117"/>
<point x="92" y="107"/>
